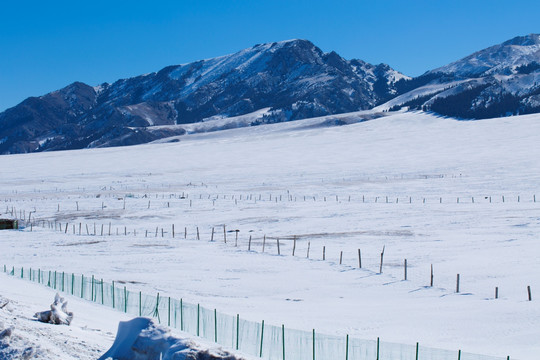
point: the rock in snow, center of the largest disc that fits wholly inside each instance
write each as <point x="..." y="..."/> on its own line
<point x="143" y="339"/>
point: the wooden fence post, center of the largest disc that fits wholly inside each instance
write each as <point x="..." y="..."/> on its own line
<point x="359" y="259"/>
<point x="405" y="269"/>
<point x="382" y="257"/>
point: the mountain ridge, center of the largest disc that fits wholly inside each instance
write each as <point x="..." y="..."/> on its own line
<point x="293" y="79"/>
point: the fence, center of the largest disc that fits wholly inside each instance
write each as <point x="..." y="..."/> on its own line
<point x="256" y="339"/>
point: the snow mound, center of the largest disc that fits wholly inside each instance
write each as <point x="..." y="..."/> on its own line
<point x="13" y="346"/>
<point x="143" y="339"/>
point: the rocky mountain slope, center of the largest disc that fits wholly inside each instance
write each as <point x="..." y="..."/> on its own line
<point x="294" y="79"/>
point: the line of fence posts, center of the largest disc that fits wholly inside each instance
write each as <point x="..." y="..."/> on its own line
<point x="22" y="214"/>
<point x="173" y="234"/>
<point x="457" y="289"/>
<point x="236" y="242"/>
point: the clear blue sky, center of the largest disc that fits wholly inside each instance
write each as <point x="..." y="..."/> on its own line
<point x="46" y="45"/>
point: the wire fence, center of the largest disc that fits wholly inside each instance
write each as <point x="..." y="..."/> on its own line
<point x="252" y="338"/>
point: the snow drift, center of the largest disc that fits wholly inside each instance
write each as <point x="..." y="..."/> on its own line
<point x="142" y="339"/>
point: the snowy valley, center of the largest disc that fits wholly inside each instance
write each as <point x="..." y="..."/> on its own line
<point x="271" y="222"/>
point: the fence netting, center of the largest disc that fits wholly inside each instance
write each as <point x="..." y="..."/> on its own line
<point x="258" y="339"/>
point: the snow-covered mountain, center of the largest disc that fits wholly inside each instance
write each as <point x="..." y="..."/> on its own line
<point x="293" y="79"/>
<point x="269" y="83"/>
<point x="503" y="59"/>
<point x="498" y="81"/>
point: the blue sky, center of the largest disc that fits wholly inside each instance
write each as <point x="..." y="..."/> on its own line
<point x="48" y="45"/>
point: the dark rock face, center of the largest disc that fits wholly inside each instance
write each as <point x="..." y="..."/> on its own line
<point x="293" y="78"/>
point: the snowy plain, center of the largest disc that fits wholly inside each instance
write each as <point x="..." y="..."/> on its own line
<point x="458" y="195"/>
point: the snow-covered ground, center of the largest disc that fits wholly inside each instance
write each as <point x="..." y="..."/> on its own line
<point x="93" y="334"/>
<point x="89" y="336"/>
<point x="456" y="195"/>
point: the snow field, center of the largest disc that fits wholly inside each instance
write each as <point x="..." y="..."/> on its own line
<point x="408" y="157"/>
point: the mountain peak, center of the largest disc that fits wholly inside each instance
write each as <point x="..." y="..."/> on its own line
<point x="292" y="42"/>
<point x="499" y="59"/>
<point x="293" y="78"/>
<point x="527" y="40"/>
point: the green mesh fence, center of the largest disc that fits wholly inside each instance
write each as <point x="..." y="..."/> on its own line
<point x="252" y="338"/>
